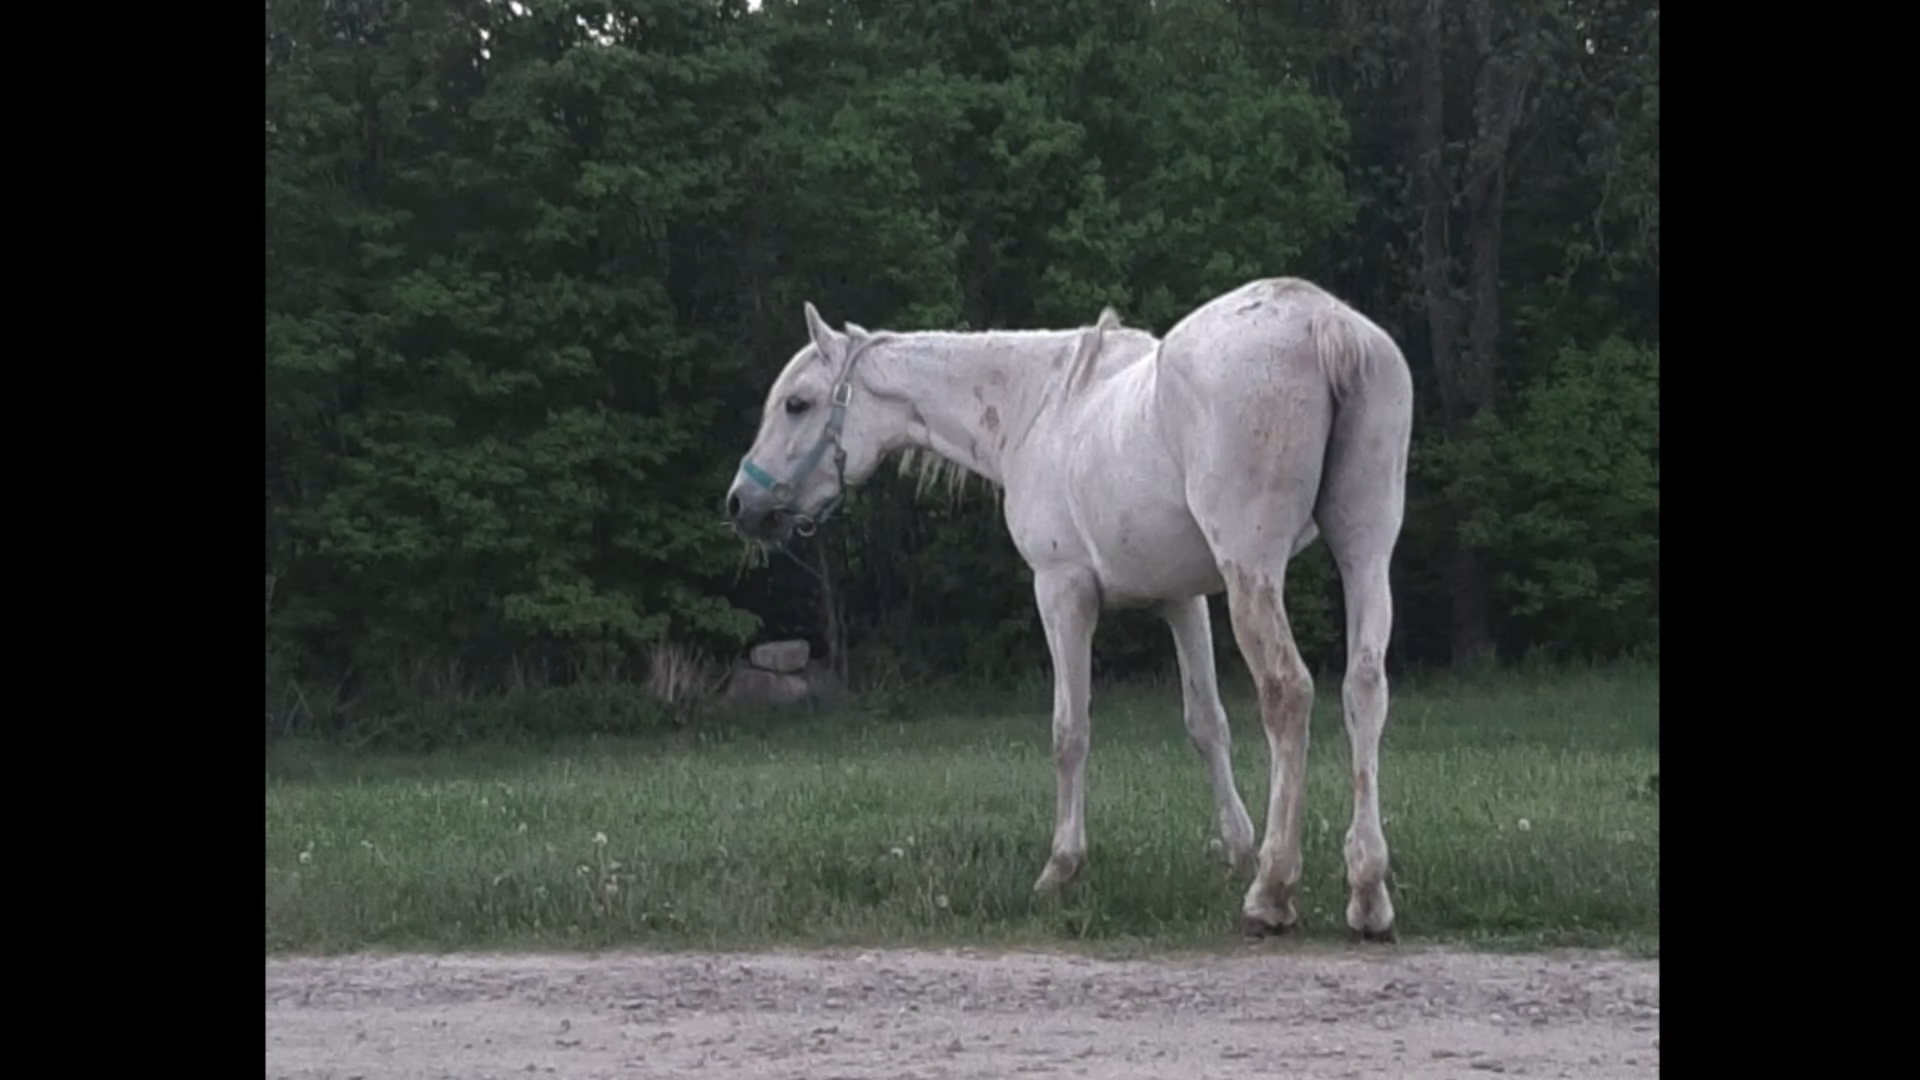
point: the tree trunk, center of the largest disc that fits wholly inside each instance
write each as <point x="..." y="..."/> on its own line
<point x="833" y="622"/>
<point x="1499" y="96"/>
<point x="1466" y="365"/>
<point x="1499" y="93"/>
<point x="1431" y="195"/>
<point x="1471" y="640"/>
<point x="1457" y="375"/>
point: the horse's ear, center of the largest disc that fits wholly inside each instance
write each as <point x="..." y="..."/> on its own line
<point x="854" y="329"/>
<point x="824" y="338"/>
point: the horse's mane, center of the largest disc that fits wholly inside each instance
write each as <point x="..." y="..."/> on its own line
<point x="931" y="470"/>
<point x="1087" y="351"/>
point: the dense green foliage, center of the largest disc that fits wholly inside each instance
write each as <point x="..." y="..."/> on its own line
<point x="532" y="265"/>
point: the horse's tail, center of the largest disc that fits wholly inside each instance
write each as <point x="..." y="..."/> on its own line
<point x="1348" y="347"/>
<point x="1372" y="422"/>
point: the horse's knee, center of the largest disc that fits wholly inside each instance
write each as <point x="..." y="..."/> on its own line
<point x="1069" y="744"/>
<point x="1206" y="727"/>
<point x="1366" y="675"/>
<point x="1286" y="694"/>
<point x="1201" y="736"/>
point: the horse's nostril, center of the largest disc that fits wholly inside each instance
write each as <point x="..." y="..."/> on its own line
<point x="733" y="506"/>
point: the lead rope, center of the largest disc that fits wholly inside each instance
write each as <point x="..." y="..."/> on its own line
<point x="811" y="572"/>
<point x="806" y="525"/>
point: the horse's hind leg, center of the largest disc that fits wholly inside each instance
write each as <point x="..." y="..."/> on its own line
<point x="1206" y="720"/>
<point x="1260" y="627"/>
<point x="1360" y="511"/>
<point x="1255" y="516"/>
<point x="1363" y="694"/>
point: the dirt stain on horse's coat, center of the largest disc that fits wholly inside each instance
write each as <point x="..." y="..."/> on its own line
<point x="1254" y="602"/>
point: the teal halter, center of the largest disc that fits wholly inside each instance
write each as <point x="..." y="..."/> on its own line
<point x="783" y="492"/>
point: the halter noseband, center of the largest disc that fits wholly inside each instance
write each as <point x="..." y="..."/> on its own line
<point x="783" y="492"/>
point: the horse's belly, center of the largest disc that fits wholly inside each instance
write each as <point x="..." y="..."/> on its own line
<point x="1146" y="550"/>
<point x="1129" y="581"/>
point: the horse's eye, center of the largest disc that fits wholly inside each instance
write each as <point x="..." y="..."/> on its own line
<point x="797" y="405"/>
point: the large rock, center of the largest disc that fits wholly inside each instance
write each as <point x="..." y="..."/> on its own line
<point x="754" y="686"/>
<point x="785" y="657"/>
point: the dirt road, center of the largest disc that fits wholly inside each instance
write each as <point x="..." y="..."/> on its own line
<point x="1305" y="1013"/>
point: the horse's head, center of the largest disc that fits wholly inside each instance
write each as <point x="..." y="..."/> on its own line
<point x="820" y="434"/>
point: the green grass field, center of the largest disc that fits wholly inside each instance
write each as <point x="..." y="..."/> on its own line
<point x="1520" y="811"/>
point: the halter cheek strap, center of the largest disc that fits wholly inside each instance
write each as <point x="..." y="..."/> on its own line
<point x="784" y="491"/>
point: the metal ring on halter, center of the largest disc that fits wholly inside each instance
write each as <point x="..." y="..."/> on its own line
<point x="804" y="525"/>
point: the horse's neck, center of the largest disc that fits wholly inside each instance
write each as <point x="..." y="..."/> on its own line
<point x="976" y="394"/>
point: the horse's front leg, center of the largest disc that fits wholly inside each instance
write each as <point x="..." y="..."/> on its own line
<point x="1069" y="604"/>
<point x="1206" y="720"/>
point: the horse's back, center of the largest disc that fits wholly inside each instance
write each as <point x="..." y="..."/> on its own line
<point x="1256" y="324"/>
<point x="1210" y="440"/>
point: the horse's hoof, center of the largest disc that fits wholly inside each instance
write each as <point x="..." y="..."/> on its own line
<point x="1057" y="874"/>
<point x="1386" y="935"/>
<point x="1256" y="928"/>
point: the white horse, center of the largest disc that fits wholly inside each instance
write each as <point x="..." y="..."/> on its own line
<point x="1144" y="472"/>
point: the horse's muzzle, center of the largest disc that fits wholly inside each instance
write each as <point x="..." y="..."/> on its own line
<point x="756" y="516"/>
